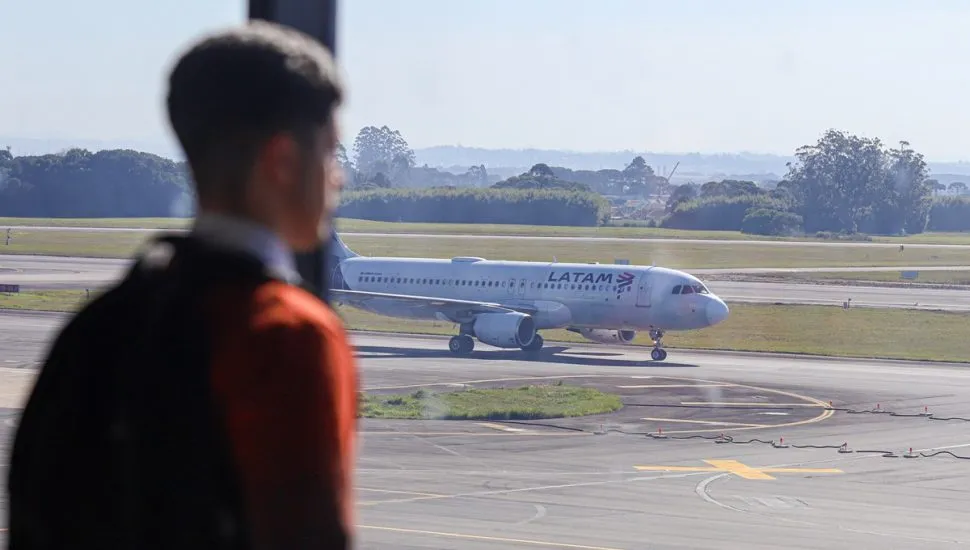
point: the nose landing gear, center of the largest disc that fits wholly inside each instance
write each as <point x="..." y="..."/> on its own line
<point x="658" y="353"/>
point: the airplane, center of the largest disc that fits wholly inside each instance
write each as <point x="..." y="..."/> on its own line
<point x="506" y="303"/>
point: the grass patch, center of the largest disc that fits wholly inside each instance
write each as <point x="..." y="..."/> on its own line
<point x="521" y="403"/>
<point x="45" y="300"/>
<point x="670" y="253"/>
<point x="91" y="244"/>
<point x="126" y="223"/>
<point x="367" y="226"/>
<point x="955" y="278"/>
<point x="808" y="329"/>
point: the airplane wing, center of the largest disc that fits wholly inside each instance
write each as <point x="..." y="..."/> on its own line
<point x="458" y="311"/>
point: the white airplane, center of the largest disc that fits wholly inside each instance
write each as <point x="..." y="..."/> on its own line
<point x="504" y="304"/>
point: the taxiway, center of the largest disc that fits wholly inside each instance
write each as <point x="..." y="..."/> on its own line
<point x="608" y="482"/>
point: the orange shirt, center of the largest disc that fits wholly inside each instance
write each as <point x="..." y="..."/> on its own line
<point x="285" y="376"/>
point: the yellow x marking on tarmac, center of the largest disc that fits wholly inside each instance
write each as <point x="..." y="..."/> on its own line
<point x="740" y="470"/>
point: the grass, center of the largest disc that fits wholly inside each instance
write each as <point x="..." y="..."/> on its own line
<point x="93" y="244"/>
<point x="819" y="330"/>
<point x="521" y="403"/>
<point x="367" y="226"/>
<point x="950" y="278"/>
<point x="128" y="223"/>
<point x="45" y="300"/>
<point x="669" y="253"/>
<point x="803" y="329"/>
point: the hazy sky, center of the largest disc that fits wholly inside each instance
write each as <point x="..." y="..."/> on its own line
<point x="592" y="75"/>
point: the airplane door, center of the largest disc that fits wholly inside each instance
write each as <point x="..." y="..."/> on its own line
<point x="512" y="284"/>
<point x="643" y="292"/>
<point x="521" y="291"/>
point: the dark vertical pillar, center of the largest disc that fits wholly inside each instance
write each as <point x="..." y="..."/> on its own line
<point x="318" y="18"/>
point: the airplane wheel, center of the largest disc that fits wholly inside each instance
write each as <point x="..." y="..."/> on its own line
<point x="535" y="344"/>
<point x="658" y="354"/>
<point x="460" y="345"/>
<point x="454" y="345"/>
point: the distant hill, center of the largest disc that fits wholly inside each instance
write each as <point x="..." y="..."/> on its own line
<point x="505" y="163"/>
<point x="696" y="166"/>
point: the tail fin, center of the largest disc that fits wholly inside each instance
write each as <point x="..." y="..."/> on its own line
<point x="338" y="250"/>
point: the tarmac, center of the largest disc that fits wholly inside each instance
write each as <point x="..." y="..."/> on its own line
<point x="711" y="450"/>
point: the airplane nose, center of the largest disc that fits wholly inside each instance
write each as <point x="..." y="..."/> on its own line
<point x="717" y="311"/>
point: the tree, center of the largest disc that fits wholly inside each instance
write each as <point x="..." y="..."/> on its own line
<point x="541" y="170"/>
<point x="381" y="145"/>
<point x="638" y="177"/>
<point x="958" y="188"/>
<point x="79" y="183"/>
<point x="848" y="183"/>
<point x="680" y="193"/>
<point x="936" y="186"/>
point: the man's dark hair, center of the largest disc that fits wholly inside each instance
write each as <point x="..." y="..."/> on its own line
<point x="234" y="90"/>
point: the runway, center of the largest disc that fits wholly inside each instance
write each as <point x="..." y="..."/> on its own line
<point x="576" y="239"/>
<point x="603" y="483"/>
<point x="51" y="272"/>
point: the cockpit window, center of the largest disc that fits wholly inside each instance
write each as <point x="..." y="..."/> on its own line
<point x="690" y="289"/>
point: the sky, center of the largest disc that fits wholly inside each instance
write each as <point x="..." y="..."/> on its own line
<point x="688" y="76"/>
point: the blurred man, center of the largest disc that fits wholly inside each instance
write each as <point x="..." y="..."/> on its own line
<point x="208" y="400"/>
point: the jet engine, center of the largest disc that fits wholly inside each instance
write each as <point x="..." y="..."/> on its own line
<point x="608" y="336"/>
<point x="505" y="330"/>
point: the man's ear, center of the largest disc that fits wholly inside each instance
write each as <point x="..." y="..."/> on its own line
<point x="278" y="162"/>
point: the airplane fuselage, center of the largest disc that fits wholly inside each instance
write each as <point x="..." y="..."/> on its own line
<point x="594" y="296"/>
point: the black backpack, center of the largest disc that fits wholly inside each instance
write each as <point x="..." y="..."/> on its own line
<point x="120" y="444"/>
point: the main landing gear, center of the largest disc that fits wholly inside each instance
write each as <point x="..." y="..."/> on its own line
<point x="464" y="343"/>
<point x="658" y="353"/>
<point x="535" y="344"/>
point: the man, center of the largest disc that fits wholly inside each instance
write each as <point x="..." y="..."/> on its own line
<point x="208" y="400"/>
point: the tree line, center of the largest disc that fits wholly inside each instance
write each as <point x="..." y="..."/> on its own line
<point x="82" y="184"/>
<point x="843" y="184"/>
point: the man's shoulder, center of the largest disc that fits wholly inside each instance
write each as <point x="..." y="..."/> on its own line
<point x="278" y="304"/>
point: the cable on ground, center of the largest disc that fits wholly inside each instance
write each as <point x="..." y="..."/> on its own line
<point x="780" y="444"/>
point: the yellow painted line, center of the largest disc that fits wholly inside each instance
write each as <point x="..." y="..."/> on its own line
<point x="648" y="386"/>
<point x="739" y="469"/>
<point x="502" y="427"/>
<point x="749" y="404"/>
<point x="708" y="422"/>
<point x="546" y="543"/>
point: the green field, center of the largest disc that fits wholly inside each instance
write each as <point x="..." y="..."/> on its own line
<point x="821" y="330"/>
<point x="366" y="226"/>
<point x="669" y="253"/>
<point x="521" y="403"/>
<point x="949" y="278"/>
